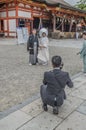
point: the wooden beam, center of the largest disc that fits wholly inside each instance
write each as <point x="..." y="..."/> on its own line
<point x="6" y="1"/>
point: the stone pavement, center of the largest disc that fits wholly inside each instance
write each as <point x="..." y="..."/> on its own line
<point x="19" y="81"/>
<point x="8" y="41"/>
<point x="72" y="114"/>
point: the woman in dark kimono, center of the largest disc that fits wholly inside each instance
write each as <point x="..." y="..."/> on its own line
<point x="32" y="47"/>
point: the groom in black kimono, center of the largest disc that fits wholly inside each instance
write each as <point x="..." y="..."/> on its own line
<point x="32" y="47"/>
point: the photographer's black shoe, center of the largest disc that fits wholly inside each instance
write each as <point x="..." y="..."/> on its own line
<point x="55" y="110"/>
<point x="45" y="107"/>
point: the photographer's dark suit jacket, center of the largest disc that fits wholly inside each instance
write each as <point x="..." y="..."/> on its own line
<point x="55" y="82"/>
<point x="30" y="43"/>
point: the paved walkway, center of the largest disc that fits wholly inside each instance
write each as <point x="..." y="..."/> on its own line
<point x="19" y="81"/>
<point x="69" y="43"/>
<point x="8" y="41"/>
<point x="72" y="115"/>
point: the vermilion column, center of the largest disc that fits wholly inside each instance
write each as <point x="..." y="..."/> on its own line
<point x="16" y="6"/>
<point x="7" y="20"/>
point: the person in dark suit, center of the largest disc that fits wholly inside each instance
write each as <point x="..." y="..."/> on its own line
<point x="54" y="82"/>
<point x="32" y="47"/>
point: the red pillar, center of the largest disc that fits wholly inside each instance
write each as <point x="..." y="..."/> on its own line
<point x="16" y="6"/>
<point x="7" y="20"/>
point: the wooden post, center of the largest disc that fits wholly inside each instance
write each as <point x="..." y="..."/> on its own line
<point x="71" y="24"/>
<point x="32" y="18"/>
<point x="17" y="15"/>
<point x="0" y="25"/>
<point x="16" y="6"/>
<point x="40" y="22"/>
<point x="54" y="23"/>
<point x="7" y="20"/>
<point x="62" y="25"/>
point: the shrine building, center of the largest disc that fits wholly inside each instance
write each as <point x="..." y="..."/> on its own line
<point x="51" y="14"/>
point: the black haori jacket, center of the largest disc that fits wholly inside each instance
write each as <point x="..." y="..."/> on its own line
<point x="30" y="43"/>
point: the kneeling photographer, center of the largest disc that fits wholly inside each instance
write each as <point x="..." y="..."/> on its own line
<point x="54" y="82"/>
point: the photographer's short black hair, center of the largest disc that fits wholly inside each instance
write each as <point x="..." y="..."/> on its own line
<point x="84" y="33"/>
<point x="56" y="61"/>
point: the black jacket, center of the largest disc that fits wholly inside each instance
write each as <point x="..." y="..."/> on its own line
<point x="30" y="43"/>
<point x="54" y="84"/>
<point x="56" y="81"/>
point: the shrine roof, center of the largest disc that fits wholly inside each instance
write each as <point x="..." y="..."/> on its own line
<point x="61" y="4"/>
<point x="52" y="3"/>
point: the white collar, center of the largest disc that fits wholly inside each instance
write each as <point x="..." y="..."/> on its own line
<point x="58" y="68"/>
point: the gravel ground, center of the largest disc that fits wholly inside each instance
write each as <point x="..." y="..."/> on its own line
<point x="19" y="81"/>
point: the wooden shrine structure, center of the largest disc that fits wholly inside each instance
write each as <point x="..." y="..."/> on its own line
<point x="52" y="14"/>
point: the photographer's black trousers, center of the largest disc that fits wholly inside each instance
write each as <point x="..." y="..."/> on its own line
<point x="49" y="99"/>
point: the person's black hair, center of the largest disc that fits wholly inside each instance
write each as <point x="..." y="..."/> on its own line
<point x="84" y="33"/>
<point x="43" y="33"/>
<point x="56" y="61"/>
<point x="33" y="30"/>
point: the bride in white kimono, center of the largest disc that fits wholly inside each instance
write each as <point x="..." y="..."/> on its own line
<point x="43" y="54"/>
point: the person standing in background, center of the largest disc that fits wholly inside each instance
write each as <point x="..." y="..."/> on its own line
<point x="32" y="47"/>
<point x="83" y="52"/>
<point x="78" y="29"/>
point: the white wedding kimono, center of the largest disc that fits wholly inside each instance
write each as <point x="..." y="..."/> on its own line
<point x="43" y="54"/>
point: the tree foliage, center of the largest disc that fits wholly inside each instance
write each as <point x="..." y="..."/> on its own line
<point x="81" y="4"/>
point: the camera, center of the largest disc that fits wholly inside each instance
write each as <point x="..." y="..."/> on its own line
<point x="61" y="66"/>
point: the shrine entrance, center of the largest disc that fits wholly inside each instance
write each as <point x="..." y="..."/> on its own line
<point x="2" y="25"/>
<point x="36" y="22"/>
